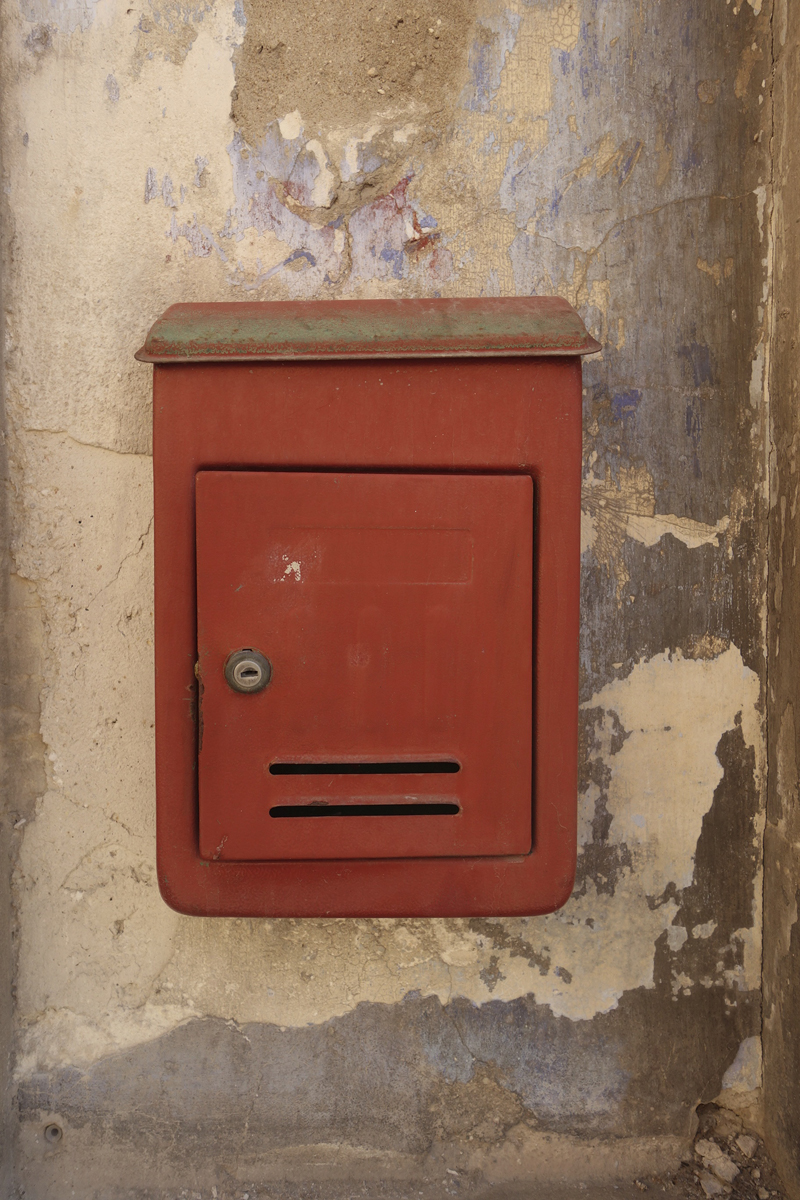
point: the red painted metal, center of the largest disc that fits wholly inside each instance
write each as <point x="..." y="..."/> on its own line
<point x="396" y="611"/>
<point x="322" y="329"/>
<point x="463" y="427"/>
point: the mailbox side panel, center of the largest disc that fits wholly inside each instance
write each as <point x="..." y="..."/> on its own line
<point x="510" y="415"/>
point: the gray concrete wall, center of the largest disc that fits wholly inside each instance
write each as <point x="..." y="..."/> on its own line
<point x="782" y="841"/>
<point x="616" y="154"/>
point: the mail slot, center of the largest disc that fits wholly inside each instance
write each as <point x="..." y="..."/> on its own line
<point x="367" y="553"/>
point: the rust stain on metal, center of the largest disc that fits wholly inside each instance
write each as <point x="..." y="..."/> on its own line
<point x="321" y="329"/>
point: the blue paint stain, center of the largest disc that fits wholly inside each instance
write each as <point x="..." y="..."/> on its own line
<point x="369" y="161"/>
<point x="698" y="356"/>
<point x="496" y="38"/>
<point x="519" y="156"/>
<point x="591" y="67"/>
<point x="297" y="254"/>
<point x="481" y="64"/>
<point x="625" y="404"/>
<point x="686" y="32"/>
<point x="694" y="427"/>
<point x="395" y="257"/>
<point x="693" y="159"/>
<point x="628" y="163"/>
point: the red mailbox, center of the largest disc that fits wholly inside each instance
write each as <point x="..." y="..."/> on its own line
<point x="367" y="563"/>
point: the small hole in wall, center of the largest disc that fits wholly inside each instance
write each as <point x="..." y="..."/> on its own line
<point x="53" y="1133"/>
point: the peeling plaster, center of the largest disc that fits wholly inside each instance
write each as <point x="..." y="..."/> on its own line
<point x="579" y="961"/>
<point x="283" y="170"/>
<point x="664" y="775"/>
<point x="744" y="1073"/>
<point x="613" y="510"/>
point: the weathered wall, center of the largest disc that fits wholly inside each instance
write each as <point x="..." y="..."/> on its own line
<point x="782" y="840"/>
<point x="8" y="741"/>
<point x="609" y="152"/>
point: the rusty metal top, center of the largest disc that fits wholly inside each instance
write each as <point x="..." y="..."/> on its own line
<point x="322" y="329"/>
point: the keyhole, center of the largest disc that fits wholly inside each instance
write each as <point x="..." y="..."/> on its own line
<point x="247" y="671"/>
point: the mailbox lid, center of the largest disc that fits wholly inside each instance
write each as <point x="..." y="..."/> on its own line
<point x="396" y="611"/>
<point x="323" y="329"/>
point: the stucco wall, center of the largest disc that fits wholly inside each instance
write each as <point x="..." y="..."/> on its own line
<point x="612" y="153"/>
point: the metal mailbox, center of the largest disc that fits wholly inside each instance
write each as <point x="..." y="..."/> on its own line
<point x="367" y="563"/>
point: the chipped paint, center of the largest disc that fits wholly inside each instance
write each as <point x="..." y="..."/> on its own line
<point x="660" y="809"/>
<point x="615" y="510"/>
<point x="744" y="1073"/>
<point x="291" y="570"/>
<point x="283" y="168"/>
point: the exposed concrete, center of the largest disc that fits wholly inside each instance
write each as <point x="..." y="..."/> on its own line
<point x="383" y="56"/>
<point x="476" y="1086"/>
<point x="782" y="844"/>
<point x="616" y="154"/>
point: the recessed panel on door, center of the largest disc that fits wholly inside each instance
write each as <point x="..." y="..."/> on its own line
<point x="394" y="615"/>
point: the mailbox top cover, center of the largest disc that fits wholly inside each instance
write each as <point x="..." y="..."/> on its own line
<point x="323" y="329"/>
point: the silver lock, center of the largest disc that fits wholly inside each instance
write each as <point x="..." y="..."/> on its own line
<point x="248" y="671"/>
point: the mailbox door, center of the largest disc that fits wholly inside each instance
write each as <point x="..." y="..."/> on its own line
<point x="396" y="613"/>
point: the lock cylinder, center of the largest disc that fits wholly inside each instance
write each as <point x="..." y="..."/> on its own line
<point x="247" y="671"/>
